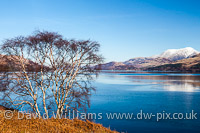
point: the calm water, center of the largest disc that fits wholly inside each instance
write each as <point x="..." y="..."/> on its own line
<point x="151" y="93"/>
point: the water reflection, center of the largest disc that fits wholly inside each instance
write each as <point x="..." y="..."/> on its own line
<point x="186" y="87"/>
<point x="173" y="82"/>
<point x="167" y="82"/>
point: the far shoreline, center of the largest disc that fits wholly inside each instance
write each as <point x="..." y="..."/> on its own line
<point x="135" y="71"/>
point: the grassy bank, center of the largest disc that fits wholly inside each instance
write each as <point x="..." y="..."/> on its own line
<point x="50" y="125"/>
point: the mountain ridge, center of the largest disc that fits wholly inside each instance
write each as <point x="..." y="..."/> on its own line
<point x="178" y="54"/>
<point x="167" y="57"/>
<point x="191" y="64"/>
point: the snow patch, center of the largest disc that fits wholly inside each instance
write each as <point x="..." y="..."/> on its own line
<point x="178" y="54"/>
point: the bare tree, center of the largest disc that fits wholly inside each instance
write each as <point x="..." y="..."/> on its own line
<point x="46" y="66"/>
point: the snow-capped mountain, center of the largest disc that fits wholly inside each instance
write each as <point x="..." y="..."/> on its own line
<point x="167" y="57"/>
<point x="178" y="54"/>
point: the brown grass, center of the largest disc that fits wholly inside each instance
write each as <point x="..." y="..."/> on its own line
<point x="189" y="61"/>
<point x="50" y="125"/>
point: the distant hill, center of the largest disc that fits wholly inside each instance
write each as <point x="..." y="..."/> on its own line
<point x="142" y="62"/>
<point x="116" y="66"/>
<point x="178" y="54"/>
<point x="167" y="57"/>
<point x="11" y="63"/>
<point x="135" y="63"/>
<point x="191" y="64"/>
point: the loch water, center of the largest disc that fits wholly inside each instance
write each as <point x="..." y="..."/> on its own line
<point x="153" y="93"/>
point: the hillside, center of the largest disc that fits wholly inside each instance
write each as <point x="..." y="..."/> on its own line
<point x="178" y="54"/>
<point x="11" y="63"/>
<point x="191" y="64"/>
<point x="135" y="63"/>
<point x="140" y="63"/>
<point x="116" y="66"/>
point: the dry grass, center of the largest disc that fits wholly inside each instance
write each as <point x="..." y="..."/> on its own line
<point x="50" y="125"/>
<point x="189" y="61"/>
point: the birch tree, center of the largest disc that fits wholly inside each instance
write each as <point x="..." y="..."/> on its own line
<point x="46" y="68"/>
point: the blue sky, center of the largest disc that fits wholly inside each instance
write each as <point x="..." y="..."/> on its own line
<point x="124" y="28"/>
